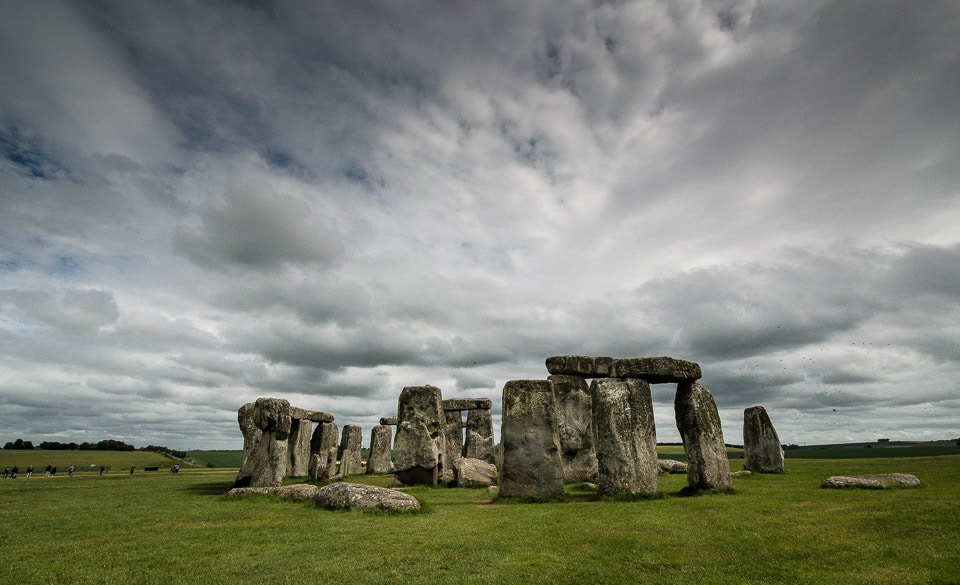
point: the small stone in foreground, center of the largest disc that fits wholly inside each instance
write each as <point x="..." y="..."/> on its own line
<point x="340" y="496"/>
<point x="875" y="481"/>
<point x="672" y="466"/>
<point x="298" y="492"/>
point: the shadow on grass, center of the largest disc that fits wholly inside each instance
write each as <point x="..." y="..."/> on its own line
<point x="211" y="488"/>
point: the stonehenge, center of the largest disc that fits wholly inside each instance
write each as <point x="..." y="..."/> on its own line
<point x="762" y="450"/>
<point x="591" y="419"/>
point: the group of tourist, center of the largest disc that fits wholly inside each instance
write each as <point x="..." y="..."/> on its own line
<point x="11" y="473"/>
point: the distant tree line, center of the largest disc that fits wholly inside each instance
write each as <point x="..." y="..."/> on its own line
<point x="104" y="445"/>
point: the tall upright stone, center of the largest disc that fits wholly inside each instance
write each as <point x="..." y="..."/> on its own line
<point x="323" y="451"/>
<point x="626" y="436"/>
<point x="452" y="438"/>
<point x="251" y="439"/>
<point x="762" y="450"/>
<point x="351" y="455"/>
<point x="531" y="448"/>
<point x="301" y="430"/>
<point x="478" y="438"/>
<point x="699" y="424"/>
<point x="378" y="461"/>
<point x="575" y="427"/>
<point x="272" y="417"/>
<point x="418" y="448"/>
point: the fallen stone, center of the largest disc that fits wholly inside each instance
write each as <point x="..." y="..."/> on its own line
<point x="246" y="491"/>
<point x="762" y="450"/>
<point x="741" y="473"/>
<point x="579" y="365"/>
<point x="699" y="424"/>
<point x="872" y="481"/>
<point x="672" y="466"/>
<point x="474" y="472"/>
<point x="656" y="370"/>
<point x="298" y="492"/>
<point x="626" y="436"/>
<point x="341" y="496"/>
<point x="528" y="434"/>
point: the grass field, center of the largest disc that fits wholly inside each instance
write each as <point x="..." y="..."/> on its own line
<point x="166" y="528"/>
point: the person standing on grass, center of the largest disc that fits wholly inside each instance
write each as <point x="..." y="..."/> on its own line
<point x="53" y="471"/>
<point x="13" y="472"/>
<point x="29" y="471"/>
<point x="132" y="467"/>
<point x="47" y="473"/>
<point x="71" y="469"/>
<point x="102" y="469"/>
<point x="6" y="472"/>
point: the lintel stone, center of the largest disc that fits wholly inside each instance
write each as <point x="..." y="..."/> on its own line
<point x="467" y="404"/>
<point x="656" y="370"/>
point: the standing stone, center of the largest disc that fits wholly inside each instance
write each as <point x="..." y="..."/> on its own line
<point x="272" y="417"/>
<point x="762" y="450"/>
<point x="301" y="430"/>
<point x="251" y="439"/>
<point x="531" y="449"/>
<point x="626" y="436"/>
<point x="323" y="451"/>
<point x="378" y="462"/>
<point x="452" y="436"/>
<point x="479" y="436"/>
<point x="419" y="447"/>
<point x="575" y="427"/>
<point x="699" y="424"/>
<point x="351" y="456"/>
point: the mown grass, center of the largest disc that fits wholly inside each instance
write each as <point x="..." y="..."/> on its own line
<point x="165" y="528"/>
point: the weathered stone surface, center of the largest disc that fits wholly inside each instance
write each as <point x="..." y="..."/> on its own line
<point x="575" y="427"/>
<point x="301" y="430"/>
<point x="272" y="417"/>
<point x="251" y="439"/>
<point x="351" y="456"/>
<point x="338" y="496"/>
<point x="655" y="370"/>
<point x="531" y="448"/>
<point x="378" y="461"/>
<point x="478" y="437"/>
<point x="390" y="421"/>
<point x="248" y="491"/>
<point x="310" y="415"/>
<point x="418" y="448"/>
<point x="299" y="492"/>
<point x="579" y="365"/>
<point x="762" y="450"/>
<point x="872" y="481"/>
<point x="474" y="472"/>
<point x="672" y="466"/>
<point x="323" y="451"/>
<point x="452" y="438"/>
<point x="626" y="436"/>
<point x="467" y="404"/>
<point x="699" y="424"/>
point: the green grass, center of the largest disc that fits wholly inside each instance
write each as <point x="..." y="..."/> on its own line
<point x="86" y="461"/>
<point x="216" y="458"/>
<point x="165" y="528"/>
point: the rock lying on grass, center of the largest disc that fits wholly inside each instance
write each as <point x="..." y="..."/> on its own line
<point x="672" y="466"/>
<point x="741" y="473"/>
<point x="872" y="481"/>
<point x="298" y="492"/>
<point x="340" y="496"/>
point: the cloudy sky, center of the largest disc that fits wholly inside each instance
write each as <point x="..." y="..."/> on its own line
<point x="202" y="203"/>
